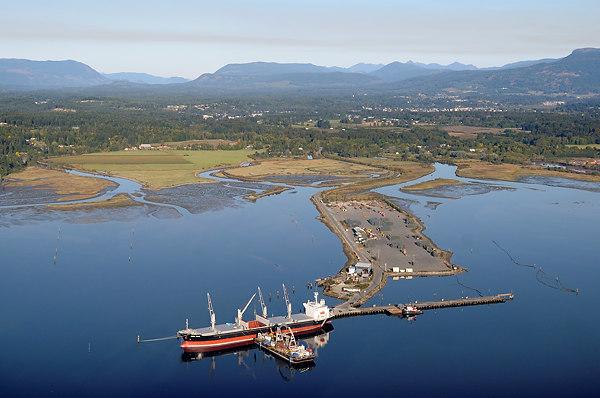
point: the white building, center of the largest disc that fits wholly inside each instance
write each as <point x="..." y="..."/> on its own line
<point x="363" y="266"/>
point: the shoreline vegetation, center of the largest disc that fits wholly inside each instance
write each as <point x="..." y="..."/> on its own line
<point x="396" y="173"/>
<point x="119" y="200"/>
<point x="282" y="167"/>
<point x="274" y="190"/>
<point x="351" y="178"/>
<point x="514" y="172"/>
<point x="432" y="184"/>
<point x="69" y="186"/>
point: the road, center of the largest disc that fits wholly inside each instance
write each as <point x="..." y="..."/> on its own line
<point x="378" y="277"/>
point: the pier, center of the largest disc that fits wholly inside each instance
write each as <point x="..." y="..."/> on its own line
<point x="397" y="309"/>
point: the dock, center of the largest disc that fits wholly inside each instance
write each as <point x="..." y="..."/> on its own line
<point x="397" y="309"/>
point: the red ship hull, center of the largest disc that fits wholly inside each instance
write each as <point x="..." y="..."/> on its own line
<point x="238" y="341"/>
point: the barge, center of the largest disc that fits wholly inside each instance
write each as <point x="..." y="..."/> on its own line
<point x="283" y="345"/>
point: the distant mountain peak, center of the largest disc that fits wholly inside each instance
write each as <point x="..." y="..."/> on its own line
<point x="28" y="74"/>
<point x="577" y="73"/>
<point x="362" y="67"/>
<point x="259" y="68"/>
<point x="586" y="50"/>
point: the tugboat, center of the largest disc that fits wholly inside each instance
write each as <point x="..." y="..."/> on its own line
<point x="410" y="311"/>
<point x="225" y="336"/>
<point x="282" y="344"/>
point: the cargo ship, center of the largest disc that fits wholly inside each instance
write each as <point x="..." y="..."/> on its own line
<point x="242" y="333"/>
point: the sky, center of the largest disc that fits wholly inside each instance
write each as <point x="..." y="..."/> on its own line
<point x="187" y="38"/>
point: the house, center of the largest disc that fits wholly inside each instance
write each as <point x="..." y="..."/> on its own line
<point x="145" y="146"/>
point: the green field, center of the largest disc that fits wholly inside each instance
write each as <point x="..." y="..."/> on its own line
<point x="155" y="169"/>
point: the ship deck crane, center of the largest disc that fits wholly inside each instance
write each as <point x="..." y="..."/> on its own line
<point x="240" y="313"/>
<point x="213" y="319"/>
<point x="263" y="306"/>
<point x="288" y="305"/>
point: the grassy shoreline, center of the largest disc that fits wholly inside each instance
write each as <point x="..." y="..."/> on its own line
<point x="69" y="186"/>
<point x="432" y="184"/>
<point x="514" y="172"/>
<point x="120" y="200"/>
<point x="274" y="190"/>
<point x="409" y="171"/>
<point x="291" y="167"/>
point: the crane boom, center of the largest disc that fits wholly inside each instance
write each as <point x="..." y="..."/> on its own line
<point x="288" y="305"/>
<point x="240" y="313"/>
<point x="263" y="306"/>
<point x="213" y="319"/>
<point x="248" y="303"/>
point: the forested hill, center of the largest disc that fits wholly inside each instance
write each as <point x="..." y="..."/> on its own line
<point x="578" y="73"/>
<point x="27" y="74"/>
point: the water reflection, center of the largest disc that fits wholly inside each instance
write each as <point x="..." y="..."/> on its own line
<point x="248" y="358"/>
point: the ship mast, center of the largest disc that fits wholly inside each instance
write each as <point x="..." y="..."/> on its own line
<point x="263" y="306"/>
<point x="288" y="305"/>
<point x="213" y="319"/>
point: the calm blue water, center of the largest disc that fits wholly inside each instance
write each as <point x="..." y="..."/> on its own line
<point x="70" y="327"/>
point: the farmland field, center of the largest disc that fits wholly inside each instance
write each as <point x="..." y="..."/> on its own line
<point x="155" y="169"/>
<point x="473" y="131"/>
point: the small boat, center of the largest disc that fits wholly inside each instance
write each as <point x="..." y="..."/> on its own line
<point x="283" y="344"/>
<point x="411" y="311"/>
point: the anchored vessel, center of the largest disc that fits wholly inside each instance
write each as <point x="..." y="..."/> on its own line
<point x="241" y="333"/>
<point x="411" y="311"/>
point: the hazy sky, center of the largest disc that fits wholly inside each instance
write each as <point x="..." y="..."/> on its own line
<point x="187" y="38"/>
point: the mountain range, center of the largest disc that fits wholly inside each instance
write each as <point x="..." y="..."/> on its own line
<point x="143" y="78"/>
<point x="578" y="72"/>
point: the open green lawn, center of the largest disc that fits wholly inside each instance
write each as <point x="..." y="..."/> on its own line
<point x="155" y="169"/>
